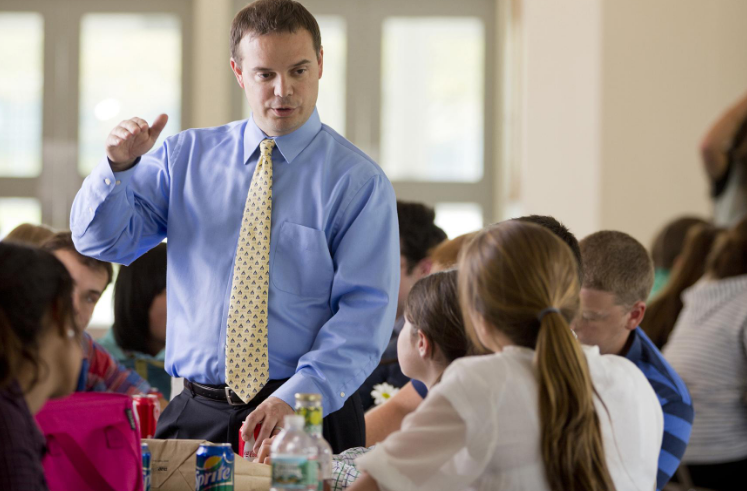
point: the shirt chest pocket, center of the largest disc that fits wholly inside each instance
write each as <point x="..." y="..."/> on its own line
<point x="302" y="264"/>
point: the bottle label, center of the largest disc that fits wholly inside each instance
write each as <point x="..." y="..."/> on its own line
<point x="293" y="472"/>
<point x="312" y="416"/>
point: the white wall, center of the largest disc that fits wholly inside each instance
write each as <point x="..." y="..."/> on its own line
<point x="616" y="98"/>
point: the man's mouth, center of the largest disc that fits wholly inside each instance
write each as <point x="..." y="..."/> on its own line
<point x="283" y="111"/>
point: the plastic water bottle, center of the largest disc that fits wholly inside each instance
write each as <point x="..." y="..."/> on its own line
<point x="294" y="458"/>
<point x="310" y="407"/>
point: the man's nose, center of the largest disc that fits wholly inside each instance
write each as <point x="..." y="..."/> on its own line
<point x="283" y="86"/>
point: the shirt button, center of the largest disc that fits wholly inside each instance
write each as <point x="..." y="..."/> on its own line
<point x="342" y="394"/>
<point x="107" y="181"/>
<point x="118" y="182"/>
<point x="90" y="209"/>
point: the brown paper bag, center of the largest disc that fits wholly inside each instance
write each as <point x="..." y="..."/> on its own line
<point x="173" y="467"/>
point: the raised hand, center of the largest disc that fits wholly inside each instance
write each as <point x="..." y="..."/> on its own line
<point x="131" y="139"/>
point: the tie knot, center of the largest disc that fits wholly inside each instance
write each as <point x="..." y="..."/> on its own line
<point x="266" y="147"/>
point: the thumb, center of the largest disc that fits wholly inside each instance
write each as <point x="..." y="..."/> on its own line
<point x="158" y="125"/>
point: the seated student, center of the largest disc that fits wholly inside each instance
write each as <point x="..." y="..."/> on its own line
<point x="40" y="357"/>
<point x="433" y="336"/>
<point x="138" y="337"/>
<point x="707" y="347"/>
<point x="668" y="245"/>
<point x="418" y="235"/>
<point x="386" y="419"/>
<point x="100" y="372"/>
<point x="27" y="233"/>
<point x="540" y="412"/>
<point x="618" y="274"/>
<point x="663" y="310"/>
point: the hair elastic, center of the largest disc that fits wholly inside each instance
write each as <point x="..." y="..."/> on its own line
<point x="547" y="311"/>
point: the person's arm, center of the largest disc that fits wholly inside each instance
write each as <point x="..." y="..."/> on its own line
<point x="106" y="374"/>
<point x="678" y="423"/>
<point x="720" y="138"/>
<point x="122" y="208"/>
<point x="427" y="454"/>
<point x="384" y="420"/>
<point x="365" y="253"/>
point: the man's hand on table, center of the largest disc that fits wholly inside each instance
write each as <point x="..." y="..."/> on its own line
<point x="270" y="413"/>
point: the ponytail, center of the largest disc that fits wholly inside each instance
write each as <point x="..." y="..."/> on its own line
<point x="572" y="448"/>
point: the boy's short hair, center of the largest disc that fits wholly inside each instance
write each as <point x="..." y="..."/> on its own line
<point x="616" y="263"/>
<point x="63" y="241"/>
<point x="418" y="232"/>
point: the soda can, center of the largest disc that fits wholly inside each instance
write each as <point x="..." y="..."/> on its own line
<point x="148" y="410"/>
<point x="246" y="448"/>
<point x="146" y="466"/>
<point x="214" y="467"/>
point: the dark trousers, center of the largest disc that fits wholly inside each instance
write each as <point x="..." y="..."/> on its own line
<point x="193" y="417"/>
<point x="726" y="476"/>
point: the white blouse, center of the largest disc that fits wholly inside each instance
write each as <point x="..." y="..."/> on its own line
<point x="479" y="428"/>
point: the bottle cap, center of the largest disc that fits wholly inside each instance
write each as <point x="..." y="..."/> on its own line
<point x="308" y="397"/>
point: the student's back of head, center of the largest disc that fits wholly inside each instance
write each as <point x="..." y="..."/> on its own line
<point x="35" y="307"/>
<point x="509" y="275"/>
<point x="433" y="309"/>
<point x="729" y="255"/>
<point x="27" y="233"/>
<point x="140" y="324"/>
<point x="663" y="310"/>
<point x="561" y="231"/>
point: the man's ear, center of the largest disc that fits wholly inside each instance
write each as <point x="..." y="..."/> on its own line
<point x="635" y="315"/>
<point x="424" y="267"/>
<point x="236" y="69"/>
<point x="321" y="61"/>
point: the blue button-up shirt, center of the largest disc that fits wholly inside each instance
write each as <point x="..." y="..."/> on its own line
<point x="334" y="262"/>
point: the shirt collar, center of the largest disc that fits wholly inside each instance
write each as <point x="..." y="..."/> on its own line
<point x="636" y="350"/>
<point x="289" y="145"/>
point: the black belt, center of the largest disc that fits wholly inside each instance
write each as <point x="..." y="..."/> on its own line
<point x="215" y="392"/>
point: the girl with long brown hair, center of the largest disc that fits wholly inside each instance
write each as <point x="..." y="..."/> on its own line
<point x="539" y="412"/>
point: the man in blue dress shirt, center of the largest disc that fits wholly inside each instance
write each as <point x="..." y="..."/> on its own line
<point x="334" y="245"/>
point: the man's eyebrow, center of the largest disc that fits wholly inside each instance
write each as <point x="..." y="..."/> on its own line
<point x="295" y="65"/>
<point x="95" y="292"/>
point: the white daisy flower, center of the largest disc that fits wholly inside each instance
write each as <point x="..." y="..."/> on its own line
<point x="383" y="392"/>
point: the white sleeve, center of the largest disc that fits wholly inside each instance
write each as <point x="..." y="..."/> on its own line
<point x="437" y="448"/>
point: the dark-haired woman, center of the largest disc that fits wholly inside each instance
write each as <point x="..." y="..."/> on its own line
<point x="40" y="357"/>
<point x="540" y="412"/>
<point x="138" y="337"/>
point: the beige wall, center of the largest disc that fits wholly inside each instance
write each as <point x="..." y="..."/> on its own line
<point x="617" y="96"/>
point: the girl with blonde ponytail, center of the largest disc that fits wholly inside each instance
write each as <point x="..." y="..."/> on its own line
<point x="539" y="412"/>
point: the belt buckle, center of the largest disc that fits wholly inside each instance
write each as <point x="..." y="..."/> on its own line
<point x="228" y="398"/>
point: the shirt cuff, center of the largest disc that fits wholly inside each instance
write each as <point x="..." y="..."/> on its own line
<point x="299" y="384"/>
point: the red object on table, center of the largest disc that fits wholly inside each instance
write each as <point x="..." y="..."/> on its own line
<point x="250" y="444"/>
<point x="148" y="410"/>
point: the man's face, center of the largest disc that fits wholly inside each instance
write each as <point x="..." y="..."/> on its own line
<point x="280" y="75"/>
<point x="408" y="278"/>
<point x="604" y="323"/>
<point x="88" y="285"/>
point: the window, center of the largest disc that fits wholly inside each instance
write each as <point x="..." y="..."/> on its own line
<point x="432" y="98"/>
<point x="21" y="84"/>
<point x="15" y="211"/>
<point x="118" y="68"/>
<point x="458" y="218"/>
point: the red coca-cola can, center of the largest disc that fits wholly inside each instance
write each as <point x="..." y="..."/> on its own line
<point x="148" y="410"/>
<point x="246" y="448"/>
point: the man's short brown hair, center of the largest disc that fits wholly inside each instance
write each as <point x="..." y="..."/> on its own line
<point x="616" y="263"/>
<point x="63" y="241"/>
<point x="272" y="16"/>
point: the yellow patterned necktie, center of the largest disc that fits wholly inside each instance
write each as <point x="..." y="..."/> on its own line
<point x="247" y="366"/>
